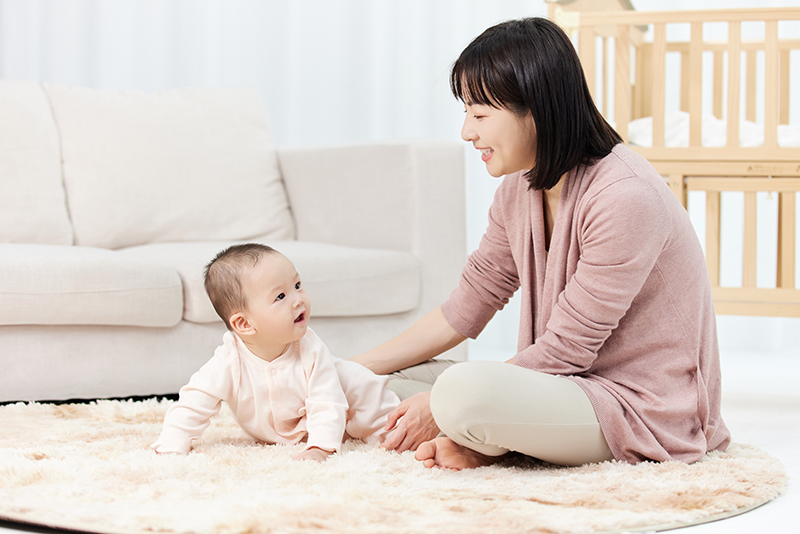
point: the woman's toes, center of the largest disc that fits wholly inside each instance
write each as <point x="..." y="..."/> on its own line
<point x="426" y="452"/>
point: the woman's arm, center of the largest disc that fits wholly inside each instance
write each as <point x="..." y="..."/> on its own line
<point x="488" y="281"/>
<point x="428" y="337"/>
<point x="412" y="422"/>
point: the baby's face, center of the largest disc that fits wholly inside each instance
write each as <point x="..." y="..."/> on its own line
<point x="277" y="306"/>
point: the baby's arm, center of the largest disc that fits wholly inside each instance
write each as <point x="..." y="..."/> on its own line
<point x="326" y="404"/>
<point x="199" y="401"/>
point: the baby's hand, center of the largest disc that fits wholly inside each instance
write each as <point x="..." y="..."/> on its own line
<point x="314" y="453"/>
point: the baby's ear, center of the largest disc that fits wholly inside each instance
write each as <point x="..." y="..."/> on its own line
<point x="240" y="324"/>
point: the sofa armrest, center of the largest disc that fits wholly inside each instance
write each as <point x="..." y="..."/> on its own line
<point x="407" y="196"/>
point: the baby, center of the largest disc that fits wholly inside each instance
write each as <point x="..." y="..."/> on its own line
<point x="279" y="379"/>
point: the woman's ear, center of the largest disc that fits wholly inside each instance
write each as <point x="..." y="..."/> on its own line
<point x="240" y="324"/>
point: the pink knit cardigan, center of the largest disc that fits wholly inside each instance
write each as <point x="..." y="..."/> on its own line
<point x="621" y="304"/>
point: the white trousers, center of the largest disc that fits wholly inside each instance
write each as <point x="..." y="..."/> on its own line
<point x="494" y="407"/>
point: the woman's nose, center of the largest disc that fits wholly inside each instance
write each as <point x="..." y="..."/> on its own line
<point x="467" y="131"/>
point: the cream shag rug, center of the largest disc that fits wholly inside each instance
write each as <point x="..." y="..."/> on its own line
<point x="88" y="467"/>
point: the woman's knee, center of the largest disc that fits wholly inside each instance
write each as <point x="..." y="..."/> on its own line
<point x="465" y="391"/>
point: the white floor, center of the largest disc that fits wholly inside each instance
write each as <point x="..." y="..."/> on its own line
<point x="761" y="406"/>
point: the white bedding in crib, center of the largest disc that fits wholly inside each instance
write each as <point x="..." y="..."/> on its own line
<point x="676" y="132"/>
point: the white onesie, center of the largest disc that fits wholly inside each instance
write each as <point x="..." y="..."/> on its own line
<point x="305" y="394"/>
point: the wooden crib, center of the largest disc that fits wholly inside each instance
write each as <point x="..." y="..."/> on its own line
<point x="730" y="82"/>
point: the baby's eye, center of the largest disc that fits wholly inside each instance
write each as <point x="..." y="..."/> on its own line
<point x="281" y="296"/>
<point x="297" y="285"/>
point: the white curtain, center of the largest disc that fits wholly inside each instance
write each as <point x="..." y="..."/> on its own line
<point x="331" y="72"/>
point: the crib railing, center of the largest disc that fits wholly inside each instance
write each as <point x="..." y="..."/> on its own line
<point x="639" y="85"/>
<point x="651" y="53"/>
<point x="625" y="56"/>
<point x="749" y="299"/>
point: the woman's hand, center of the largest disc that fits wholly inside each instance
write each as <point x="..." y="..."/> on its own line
<point x="413" y="424"/>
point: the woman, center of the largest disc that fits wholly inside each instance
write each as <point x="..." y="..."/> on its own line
<point x="617" y="351"/>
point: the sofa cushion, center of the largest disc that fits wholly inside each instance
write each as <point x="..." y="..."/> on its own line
<point x="33" y="207"/>
<point x="174" y="165"/>
<point x="67" y="285"/>
<point x="340" y="281"/>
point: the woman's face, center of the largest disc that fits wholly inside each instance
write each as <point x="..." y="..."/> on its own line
<point x="507" y="141"/>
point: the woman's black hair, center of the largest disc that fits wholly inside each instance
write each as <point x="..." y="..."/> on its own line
<point x="531" y="65"/>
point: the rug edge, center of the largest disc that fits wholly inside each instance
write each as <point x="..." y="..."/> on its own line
<point x="67" y="526"/>
<point x="664" y="527"/>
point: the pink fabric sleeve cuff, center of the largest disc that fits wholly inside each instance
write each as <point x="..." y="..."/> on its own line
<point x="477" y="316"/>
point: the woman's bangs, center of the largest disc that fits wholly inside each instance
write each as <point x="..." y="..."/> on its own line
<point x="469" y="84"/>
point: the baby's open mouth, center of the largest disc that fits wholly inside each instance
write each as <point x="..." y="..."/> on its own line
<point x="300" y="318"/>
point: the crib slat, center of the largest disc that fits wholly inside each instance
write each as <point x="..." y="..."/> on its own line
<point x="686" y="77"/>
<point x="659" y="89"/>
<point x="696" y="85"/>
<point x="722" y="46"/>
<point x="786" y="240"/>
<point x="588" y="58"/>
<point x="772" y="302"/>
<point x="712" y="236"/>
<point x="678" y="186"/>
<point x="734" y="81"/>
<point x="750" y="243"/>
<point x="785" y="96"/>
<point x="622" y="79"/>
<point x="750" y="92"/>
<point x="718" y="70"/>
<point x="643" y="86"/>
<point x="679" y="16"/>
<point x="699" y="183"/>
<point x="771" y="61"/>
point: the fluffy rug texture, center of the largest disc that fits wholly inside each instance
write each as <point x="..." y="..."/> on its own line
<point x="88" y="467"/>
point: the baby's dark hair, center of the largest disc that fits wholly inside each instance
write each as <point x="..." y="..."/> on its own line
<point x="223" y="277"/>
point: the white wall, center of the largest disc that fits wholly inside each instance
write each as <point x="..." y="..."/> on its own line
<point x="330" y="72"/>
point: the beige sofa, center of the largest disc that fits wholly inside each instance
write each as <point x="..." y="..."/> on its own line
<point x="111" y="203"/>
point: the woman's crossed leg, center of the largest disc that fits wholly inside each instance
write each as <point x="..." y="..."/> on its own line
<point x="486" y="409"/>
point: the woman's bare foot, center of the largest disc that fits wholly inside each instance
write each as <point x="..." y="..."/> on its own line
<point x="445" y="453"/>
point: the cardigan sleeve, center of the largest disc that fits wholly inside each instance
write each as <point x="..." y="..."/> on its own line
<point x="490" y="276"/>
<point x="622" y="231"/>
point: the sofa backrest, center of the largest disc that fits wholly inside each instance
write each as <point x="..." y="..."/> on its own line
<point x="33" y="208"/>
<point x="175" y="165"/>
